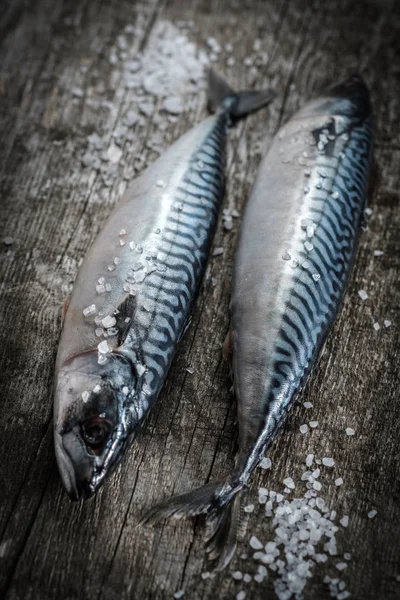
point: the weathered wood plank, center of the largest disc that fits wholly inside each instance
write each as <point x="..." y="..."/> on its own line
<point x="50" y="548"/>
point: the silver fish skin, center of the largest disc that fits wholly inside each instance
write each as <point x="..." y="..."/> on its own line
<point x="294" y="256"/>
<point x="133" y="296"/>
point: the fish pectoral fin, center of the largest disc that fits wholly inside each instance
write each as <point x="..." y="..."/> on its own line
<point x="227" y="346"/>
<point x="124" y="316"/>
<point x="64" y="309"/>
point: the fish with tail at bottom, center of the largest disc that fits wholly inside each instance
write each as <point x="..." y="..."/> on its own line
<point x="295" y="253"/>
<point x="133" y="296"/>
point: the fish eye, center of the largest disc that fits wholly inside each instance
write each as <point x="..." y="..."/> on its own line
<point x="95" y="431"/>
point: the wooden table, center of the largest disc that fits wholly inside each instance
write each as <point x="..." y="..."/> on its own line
<point x="51" y="548"/>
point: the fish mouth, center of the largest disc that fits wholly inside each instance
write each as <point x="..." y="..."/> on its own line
<point x="83" y="473"/>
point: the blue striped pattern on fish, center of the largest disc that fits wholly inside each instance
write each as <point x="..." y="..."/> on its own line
<point x="335" y="203"/>
<point x="182" y="253"/>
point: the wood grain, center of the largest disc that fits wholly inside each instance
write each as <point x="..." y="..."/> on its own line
<point x="51" y="548"/>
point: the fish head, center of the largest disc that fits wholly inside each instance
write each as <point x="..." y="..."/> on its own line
<point x="96" y="414"/>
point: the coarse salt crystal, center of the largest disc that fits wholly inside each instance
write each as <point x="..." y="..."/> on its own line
<point x="372" y="514"/>
<point x="108" y="321"/>
<point x="241" y="595"/>
<point x="378" y="252"/>
<point x="349" y="431"/>
<point x="313" y="424"/>
<point x="387" y="322"/>
<point x="344" y="521"/>
<point x="376" y="326"/>
<point x="289" y="483"/>
<point x="338" y="481"/>
<point x="341" y="566"/>
<point x="309" y="460"/>
<point x="303" y="428"/>
<point x="249" y="508"/>
<point x="317" y="486"/>
<point x="255" y="543"/>
<point x="218" y="251"/>
<point x="103" y="347"/>
<point x="97" y="389"/>
<point x="85" y="396"/>
<point x="122" y="232"/>
<point x="307" y="405"/>
<point x="89" y="310"/>
<point x="363" y="295"/>
<point x="347" y="556"/>
<point x="238" y="575"/>
<point x="265" y="463"/>
<point x="328" y="462"/>
<point x="179" y="594"/>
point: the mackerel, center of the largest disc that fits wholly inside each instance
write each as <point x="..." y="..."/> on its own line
<point x="133" y="296"/>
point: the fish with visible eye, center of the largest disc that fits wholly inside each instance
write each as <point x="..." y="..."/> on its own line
<point x="295" y="252"/>
<point x="133" y="295"/>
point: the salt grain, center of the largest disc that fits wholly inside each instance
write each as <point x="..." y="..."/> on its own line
<point x="255" y="543"/>
<point x="289" y="483"/>
<point x="241" y="595"/>
<point x="372" y="514"/>
<point x="265" y="463"/>
<point x="85" y="396"/>
<point x="309" y="460"/>
<point x="307" y="405"/>
<point x="349" y="431"/>
<point x="179" y="594"/>
<point x="303" y="428"/>
<point x="328" y="462"/>
<point x="249" y="508"/>
<point x="218" y="251"/>
<point x="341" y="566"/>
<point x="376" y="326"/>
<point x="108" y="321"/>
<point x="344" y="521"/>
<point x="378" y="252"/>
<point x="338" y="481"/>
<point x="387" y="322"/>
<point x="89" y="311"/>
<point x="237" y="575"/>
<point x="363" y="295"/>
<point x="313" y="424"/>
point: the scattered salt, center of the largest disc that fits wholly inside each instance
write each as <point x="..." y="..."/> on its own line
<point x="238" y="575"/>
<point x="363" y="295"/>
<point x="179" y="594"/>
<point x="307" y="405"/>
<point x="344" y="521"/>
<point x="289" y="483"/>
<point x="89" y="311"/>
<point x="249" y="508"/>
<point x="8" y="241"/>
<point x="376" y="326"/>
<point x="97" y="389"/>
<point x="338" y="481"/>
<point x="341" y="566"/>
<point x="303" y="428"/>
<point x="328" y="462"/>
<point x="349" y="431"/>
<point x="309" y="460"/>
<point x="255" y="543"/>
<point x="387" y="322"/>
<point x="108" y="321"/>
<point x="313" y="424"/>
<point x="265" y="463"/>
<point x="218" y="251"/>
<point x="241" y="595"/>
<point x="378" y="252"/>
<point x="85" y="396"/>
<point x="103" y="347"/>
<point x="372" y="514"/>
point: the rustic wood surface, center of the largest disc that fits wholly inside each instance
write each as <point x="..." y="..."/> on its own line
<point x="51" y="548"/>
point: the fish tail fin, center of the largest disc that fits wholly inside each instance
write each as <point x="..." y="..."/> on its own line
<point x="238" y="104"/>
<point x="220" y="503"/>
